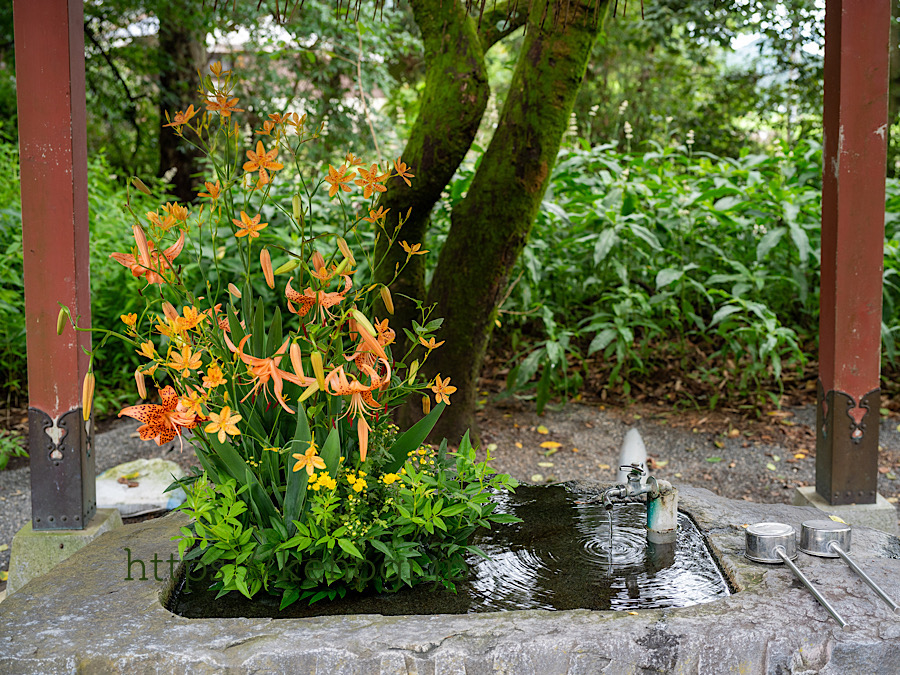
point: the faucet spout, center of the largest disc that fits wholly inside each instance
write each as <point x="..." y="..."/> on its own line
<point x="662" y="503"/>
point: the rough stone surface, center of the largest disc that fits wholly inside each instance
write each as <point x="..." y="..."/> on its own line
<point x="86" y="618"/>
<point x="37" y="553"/>
<point x="152" y="477"/>
<point x="882" y="515"/>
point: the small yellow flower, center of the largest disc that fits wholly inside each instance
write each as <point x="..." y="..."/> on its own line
<point x="193" y="403"/>
<point x="129" y="319"/>
<point x="223" y="422"/>
<point x="415" y="249"/>
<point x="177" y="211"/>
<point x="389" y="478"/>
<point x="442" y="390"/>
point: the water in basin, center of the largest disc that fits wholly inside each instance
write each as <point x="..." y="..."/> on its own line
<point x="557" y="558"/>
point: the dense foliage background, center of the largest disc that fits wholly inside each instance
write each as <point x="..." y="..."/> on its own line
<point x="676" y="250"/>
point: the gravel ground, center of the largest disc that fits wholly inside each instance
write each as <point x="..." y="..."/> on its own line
<point x="760" y="461"/>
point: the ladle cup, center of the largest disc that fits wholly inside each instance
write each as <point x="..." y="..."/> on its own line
<point x="776" y="543"/>
<point x="830" y="539"/>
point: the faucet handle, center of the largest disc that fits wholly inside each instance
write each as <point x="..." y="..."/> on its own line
<point x="634" y="470"/>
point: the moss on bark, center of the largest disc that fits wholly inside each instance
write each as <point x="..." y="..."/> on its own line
<point x="453" y="102"/>
<point x="490" y="226"/>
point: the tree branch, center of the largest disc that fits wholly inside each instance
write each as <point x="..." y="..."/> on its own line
<point x="502" y="20"/>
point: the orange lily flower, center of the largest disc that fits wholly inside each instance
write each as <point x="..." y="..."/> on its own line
<point x="370" y="181"/>
<point x="264" y="369"/>
<point x="213" y="190"/>
<point x="412" y="250"/>
<point x="182" y="117"/>
<point x="442" y="390"/>
<point x="309" y="459"/>
<point x="223" y="422"/>
<point x="375" y="216"/>
<point x="361" y="401"/>
<point x="403" y="171"/>
<point x="248" y="226"/>
<point x="261" y="160"/>
<point x="162" y="422"/>
<point x="151" y="263"/>
<point x="223" y="105"/>
<point x="309" y="297"/>
<point x="338" y="179"/>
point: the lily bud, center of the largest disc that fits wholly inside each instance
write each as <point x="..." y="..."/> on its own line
<point x="61" y="320"/>
<point x="141" y="240"/>
<point x="318" y="262"/>
<point x="426" y="404"/>
<point x="345" y="250"/>
<point x="413" y="371"/>
<point x="266" y="261"/>
<point x="87" y="395"/>
<point x="295" y="203"/>
<point x="139" y="380"/>
<point x="234" y="291"/>
<point x="295" y="359"/>
<point x="289" y="266"/>
<point x="310" y="390"/>
<point x="387" y="299"/>
<point x="344" y="264"/>
<point x="316" y="360"/>
<point x="169" y="311"/>
<point x="139" y="184"/>
<point x="363" y="322"/>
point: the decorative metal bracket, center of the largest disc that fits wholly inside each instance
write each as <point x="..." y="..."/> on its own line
<point x="846" y="448"/>
<point x="63" y="493"/>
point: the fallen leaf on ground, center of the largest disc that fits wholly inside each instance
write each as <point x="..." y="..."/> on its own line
<point x="776" y="458"/>
<point x="574" y="449"/>
<point x="545" y="464"/>
<point x="677" y="475"/>
<point x="537" y="478"/>
<point x="891" y="476"/>
<point x="518" y="445"/>
<point x="734" y="433"/>
<point x="731" y="465"/>
<point x="4" y="547"/>
<point x="713" y="460"/>
<point x="770" y="466"/>
<point x="893" y="500"/>
<point x="799" y="455"/>
<point x="4" y="575"/>
<point x="719" y="444"/>
<point x="551" y="451"/>
<point x="492" y="447"/>
<point x="883" y="469"/>
<point x="603" y="466"/>
<point x="543" y="430"/>
<point x="551" y="444"/>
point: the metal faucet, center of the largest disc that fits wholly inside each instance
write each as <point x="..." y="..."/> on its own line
<point x="662" y="503"/>
<point x="633" y="488"/>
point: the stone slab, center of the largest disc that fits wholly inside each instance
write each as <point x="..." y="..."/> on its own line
<point x="36" y="553"/>
<point x="87" y="618"/>
<point x="882" y="515"/>
<point x="151" y="479"/>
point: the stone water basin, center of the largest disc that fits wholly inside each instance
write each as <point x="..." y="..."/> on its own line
<point x="84" y="617"/>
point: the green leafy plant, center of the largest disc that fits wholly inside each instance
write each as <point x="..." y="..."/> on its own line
<point x="288" y="393"/>
<point x="10" y="446"/>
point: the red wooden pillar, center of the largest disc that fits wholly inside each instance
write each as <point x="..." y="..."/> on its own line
<point x="855" y="120"/>
<point x="53" y="155"/>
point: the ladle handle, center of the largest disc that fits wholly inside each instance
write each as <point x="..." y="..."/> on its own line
<point x="812" y="589"/>
<point x="865" y="577"/>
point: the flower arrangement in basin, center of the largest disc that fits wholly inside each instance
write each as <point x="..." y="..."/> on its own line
<point x="283" y="378"/>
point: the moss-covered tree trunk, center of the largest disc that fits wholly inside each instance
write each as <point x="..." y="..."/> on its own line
<point x="455" y="96"/>
<point x="490" y="226"/>
<point x="181" y="54"/>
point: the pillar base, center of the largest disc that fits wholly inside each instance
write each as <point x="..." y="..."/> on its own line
<point x="36" y="553"/>
<point x="882" y="515"/>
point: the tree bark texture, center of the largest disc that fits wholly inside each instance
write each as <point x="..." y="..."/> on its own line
<point x="455" y="96"/>
<point x="181" y="54"/>
<point x="490" y="226"/>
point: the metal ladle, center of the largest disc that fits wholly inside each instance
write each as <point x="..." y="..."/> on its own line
<point x="830" y="539"/>
<point x="776" y="543"/>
